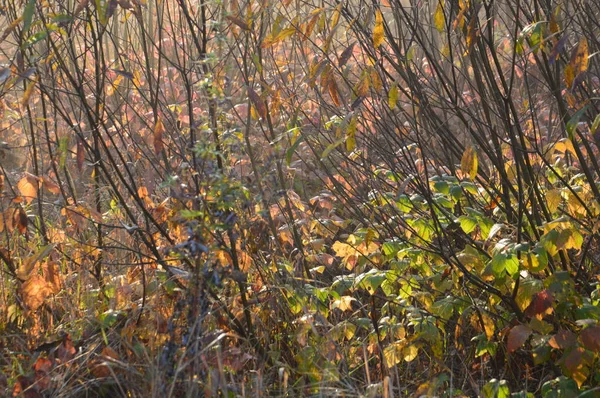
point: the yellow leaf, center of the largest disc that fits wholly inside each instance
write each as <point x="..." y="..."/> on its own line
<point x="438" y="18"/>
<point x="336" y="16"/>
<point x="553" y="199"/>
<point x="27" y="93"/>
<point x="468" y="163"/>
<point x="351" y="135"/>
<point x="578" y="63"/>
<point x="409" y="353"/>
<point x="378" y="30"/>
<point x="376" y="80"/>
<point x="393" y="96"/>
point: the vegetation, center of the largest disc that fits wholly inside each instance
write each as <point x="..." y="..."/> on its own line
<point x="291" y="198"/>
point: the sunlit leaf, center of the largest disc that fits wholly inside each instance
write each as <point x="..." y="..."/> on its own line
<point x="378" y="30"/>
<point x="469" y="163"/>
<point x="393" y="96"/>
<point x="439" y="20"/>
<point x="157" y="136"/>
<point x="28" y="187"/>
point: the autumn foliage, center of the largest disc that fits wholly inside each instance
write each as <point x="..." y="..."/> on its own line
<point x="291" y="198"/>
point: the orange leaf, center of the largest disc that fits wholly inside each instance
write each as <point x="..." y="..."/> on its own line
<point x="333" y="91"/>
<point x="159" y="129"/>
<point x="50" y="185"/>
<point x="578" y="63"/>
<point x="34" y="291"/>
<point x="19" y="220"/>
<point x="28" y="187"/>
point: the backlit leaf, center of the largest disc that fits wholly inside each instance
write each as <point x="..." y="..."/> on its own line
<point x="439" y="19"/>
<point x="469" y="163"/>
<point x="157" y="136"/>
<point x="28" y="187"/>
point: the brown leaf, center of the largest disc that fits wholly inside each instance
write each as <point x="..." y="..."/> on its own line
<point x="563" y="339"/>
<point x="518" y="336"/>
<point x="19" y="220"/>
<point x="80" y="153"/>
<point x="50" y="185"/>
<point x="333" y="91"/>
<point x="346" y="54"/>
<point x="52" y="276"/>
<point x="25" y="388"/>
<point x="238" y="21"/>
<point x="259" y="104"/>
<point x="66" y="350"/>
<point x="42" y="367"/>
<point x="577" y="363"/>
<point x="28" y="187"/>
<point x="590" y="338"/>
<point x="540" y="303"/>
<point x="34" y="291"/>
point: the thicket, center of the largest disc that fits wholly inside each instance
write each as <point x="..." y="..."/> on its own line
<point x="291" y="198"/>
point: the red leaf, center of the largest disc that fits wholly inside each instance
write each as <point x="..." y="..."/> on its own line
<point x="518" y="336"/>
<point x="540" y="303"/>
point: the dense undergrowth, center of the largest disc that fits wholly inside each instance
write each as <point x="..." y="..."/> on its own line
<point x="288" y="198"/>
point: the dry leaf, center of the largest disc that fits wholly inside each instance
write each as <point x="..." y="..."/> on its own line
<point x="518" y="336"/>
<point x="28" y="187"/>
<point x="157" y="141"/>
<point x="34" y="291"/>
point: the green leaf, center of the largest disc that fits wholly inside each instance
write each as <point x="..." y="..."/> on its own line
<point x="505" y="262"/>
<point x="331" y="147"/>
<point x="495" y="389"/>
<point x="574" y="121"/>
<point x="468" y="224"/>
<point x="370" y="280"/>
<point x="290" y="152"/>
<point x="28" y="14"/>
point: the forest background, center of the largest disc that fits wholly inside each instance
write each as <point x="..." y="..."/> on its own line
<point x="297" y="198"/>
